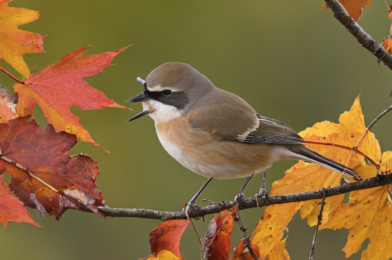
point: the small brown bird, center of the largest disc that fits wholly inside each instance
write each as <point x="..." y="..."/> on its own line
<point x="215" y="133"/>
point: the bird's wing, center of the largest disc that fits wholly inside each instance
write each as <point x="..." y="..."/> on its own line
<point x="237" y="121"/>
<point x="271" y="131"/>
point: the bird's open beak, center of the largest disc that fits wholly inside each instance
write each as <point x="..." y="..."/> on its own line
<point x="139" y="98"/>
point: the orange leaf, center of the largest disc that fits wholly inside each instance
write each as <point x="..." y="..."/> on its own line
<point x="14" y="42"/>
<point x="61" y="86"/>
<point x="387" y="44"/>
<point x="167" y="236"/>
<point x="368" y="214"/>
<point x="308" y="176"/>
<point x="389" y="10"/>
<point x="353" y="7"/>
<point x="217" y="238"/>
<point x="46" y="155"/>
<point x="242" y="253"/>
<point x="10" y="207"/>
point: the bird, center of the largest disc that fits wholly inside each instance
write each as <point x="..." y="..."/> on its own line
<point x="215" y="133"/>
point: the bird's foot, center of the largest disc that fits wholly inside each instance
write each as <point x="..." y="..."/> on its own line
<point x="263" y="193"/>
<point x="191" y="208"/>
<point x="239" y="198"/>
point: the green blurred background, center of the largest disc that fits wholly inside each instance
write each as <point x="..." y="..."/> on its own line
<point x="289" y="60"/>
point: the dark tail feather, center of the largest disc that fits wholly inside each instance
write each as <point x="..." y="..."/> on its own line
<point x="309" y="155"/>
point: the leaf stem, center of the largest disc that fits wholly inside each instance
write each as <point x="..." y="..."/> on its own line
<point x="354" y="149"/>
<point x="12" y="76"/>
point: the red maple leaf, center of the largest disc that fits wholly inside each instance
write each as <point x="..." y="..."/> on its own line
<point x="10" y="207"/>
<point x="44" y="176"/>
<point x="60" y="86"/>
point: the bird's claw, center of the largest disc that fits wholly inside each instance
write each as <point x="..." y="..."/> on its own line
<point x="263" y="193"/>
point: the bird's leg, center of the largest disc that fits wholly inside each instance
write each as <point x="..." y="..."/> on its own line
<point x="263" y="191"/>
<point x="191" y="203"/>
<point x="240" y="196"/>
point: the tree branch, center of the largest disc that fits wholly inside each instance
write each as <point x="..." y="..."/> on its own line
<point x="364" y="39"/>
<point x="379" y="180"/>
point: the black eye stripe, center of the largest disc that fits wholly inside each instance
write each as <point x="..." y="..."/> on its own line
<point x="153" y="94"/>
<point x="176" y="99"/>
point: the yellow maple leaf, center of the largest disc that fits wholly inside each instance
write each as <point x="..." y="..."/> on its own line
<point x="162" y="255"/>
<point x="368" y="214"/>
<point x="15" y="42"/>
<point x="279" y="252"/>
<point x="309" y="177"/>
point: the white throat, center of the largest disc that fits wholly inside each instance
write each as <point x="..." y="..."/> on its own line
<point x="161" y="112"/>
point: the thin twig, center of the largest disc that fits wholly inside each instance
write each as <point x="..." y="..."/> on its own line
<point x="12" y="76"/>
<point x="28" y="172"/>
<point x="75" y="200"/>
<point x="355" y="148"/>
<point x="371" y="125"/>
<point x="320" y="219"/>
<point x="243" y="229"/>
<point x="364" y="39"/>
<point x="198" y="238"/>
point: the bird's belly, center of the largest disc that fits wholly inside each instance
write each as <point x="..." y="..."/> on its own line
<point x="212" y="163"/>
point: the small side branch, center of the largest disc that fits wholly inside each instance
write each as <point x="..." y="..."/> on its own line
<point x="364" y="39"/>
<point x="250" y="202"/>
<point x="12" y="76"/>
<point x="372" y="124"/>
<point x="320" y="219"/>
<point x="244" y="230"/>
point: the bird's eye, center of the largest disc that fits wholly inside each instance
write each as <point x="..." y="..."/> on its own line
<point x="166" y="92"/>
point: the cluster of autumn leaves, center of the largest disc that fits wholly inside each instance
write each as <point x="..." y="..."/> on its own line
<point x="46" y="177"/>
<point x="368" y="213"/>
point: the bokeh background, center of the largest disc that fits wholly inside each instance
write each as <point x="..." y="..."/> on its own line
<point x="288" y="59"/>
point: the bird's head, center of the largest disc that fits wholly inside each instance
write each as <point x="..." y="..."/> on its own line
<point x="171" y="90"/>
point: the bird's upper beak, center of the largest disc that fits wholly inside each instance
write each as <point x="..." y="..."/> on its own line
<point x="139" y="98"/>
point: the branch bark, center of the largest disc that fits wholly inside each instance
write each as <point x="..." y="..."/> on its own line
<point x="379" y="180"/>
<point x="364" y="39"/>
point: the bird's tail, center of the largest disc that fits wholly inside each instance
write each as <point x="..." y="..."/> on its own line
<point x="309" y="155"/>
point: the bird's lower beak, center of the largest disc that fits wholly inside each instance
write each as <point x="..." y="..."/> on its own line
<point x="143" y="113"/>
<point x="139" y="98"/>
